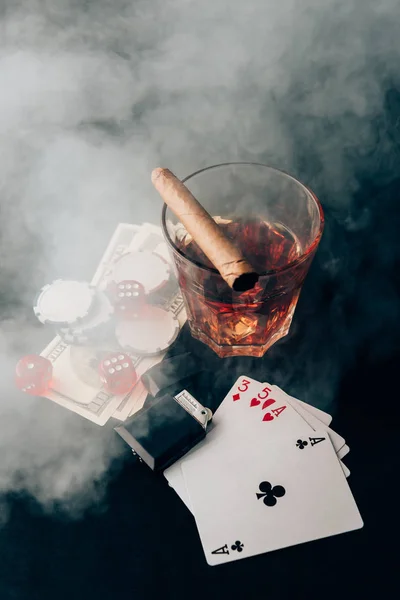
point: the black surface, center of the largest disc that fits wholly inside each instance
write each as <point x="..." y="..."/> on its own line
<point x="343" y="355"/>
<point x="145" y="544"/>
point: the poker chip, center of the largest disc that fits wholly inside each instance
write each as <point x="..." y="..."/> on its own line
<point x="153" y="333"/>
<point x="149" y="269"/>
<point x="162" y="250"/>
<point x="64" y="302"/>
<point x="93" y="325"/>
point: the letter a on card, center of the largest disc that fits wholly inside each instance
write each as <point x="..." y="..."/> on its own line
<point x="277" y="411"/>
<point x="222" y="550"/>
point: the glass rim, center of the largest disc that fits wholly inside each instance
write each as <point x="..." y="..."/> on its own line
<point x="293" y="263"/>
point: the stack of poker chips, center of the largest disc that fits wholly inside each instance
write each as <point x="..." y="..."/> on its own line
<point x="79" y="313"/>
<point x="84" y="315"/>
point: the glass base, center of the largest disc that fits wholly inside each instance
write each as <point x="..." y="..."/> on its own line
<point x="223" y="351"/>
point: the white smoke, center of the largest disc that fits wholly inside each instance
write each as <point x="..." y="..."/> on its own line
<point x="93" y="96"/>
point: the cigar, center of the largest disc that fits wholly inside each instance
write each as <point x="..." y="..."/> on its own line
<point x="223" y="254"/>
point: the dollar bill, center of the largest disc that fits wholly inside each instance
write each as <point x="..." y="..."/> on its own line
<point x="71" y="392"/>
<point x="149" y="238"/>
<point x="76" y="385"/>
<point x="120" y="241"/>
<point x="141" y="396"/>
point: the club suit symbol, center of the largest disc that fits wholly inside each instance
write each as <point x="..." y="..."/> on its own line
<point x="237" y="546"/>
<point x="301" y="444"/>
<point x="269" y="493"/>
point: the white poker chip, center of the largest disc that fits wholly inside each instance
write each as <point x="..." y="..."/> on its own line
<point x="64" y="302"/>
<point x="162" y="250"/>
<point x="151" y="334"/>
<point x="149" y="269"/>
<point x="99" y="316"/>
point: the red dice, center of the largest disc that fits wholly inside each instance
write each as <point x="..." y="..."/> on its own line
<point x="117" y="373"/>
<point x="129" y="299"/>
<point x="33" y="374"/>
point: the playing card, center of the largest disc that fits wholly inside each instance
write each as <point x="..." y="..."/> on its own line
<point x="255" y="498"/>
<point x="241" y="414"/>
<point x="245" y="387"/>
<point x="317" y="412"/>
<point x="337" y="440"/>
<point x="344" y="450"/>
<point x="266" y="403"/>
<point x="246" y="397"/>
<point x="244" y="401"/>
